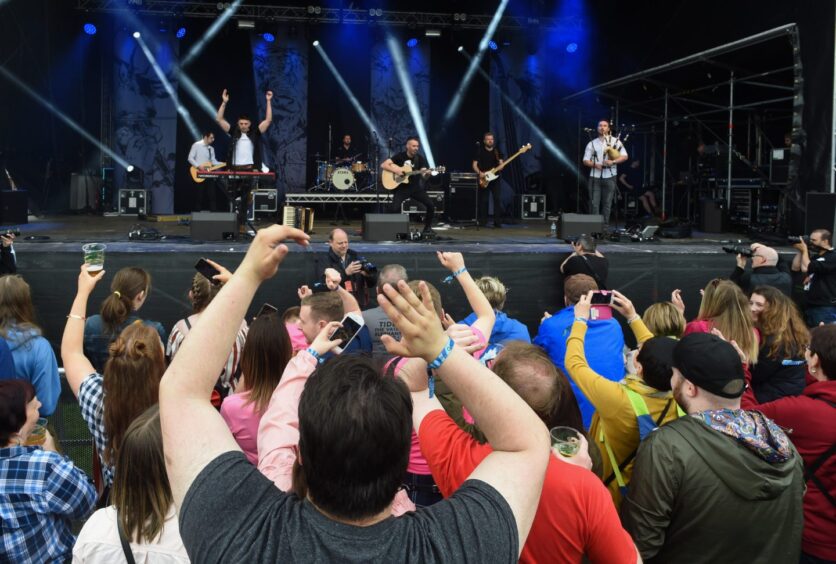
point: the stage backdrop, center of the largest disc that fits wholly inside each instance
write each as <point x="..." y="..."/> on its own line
<point x="389" y="111"/>
<point x="145" y="117"/>
<point x="282" y="67"/>
<point x="521" y="77"/>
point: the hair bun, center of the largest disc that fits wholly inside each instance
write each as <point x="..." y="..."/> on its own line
<point x="117" y="347"/>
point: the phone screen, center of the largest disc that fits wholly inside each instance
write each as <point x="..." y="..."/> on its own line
<point x="601" y="298"/>
<point x="265" y="309"/>
<point x="347" y="332"/>
<point x="207" y="270"/>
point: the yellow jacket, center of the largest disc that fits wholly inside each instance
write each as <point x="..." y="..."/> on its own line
<point x="614" y="413"/>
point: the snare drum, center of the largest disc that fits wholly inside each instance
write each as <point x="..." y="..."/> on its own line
<point x="359" y="167"/>
<point x="343" y="179"/>
<point x="324" y="171"/>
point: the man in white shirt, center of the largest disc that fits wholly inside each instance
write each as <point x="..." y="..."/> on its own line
<point x="202" y="156"/>
<point x="603" y="170"/>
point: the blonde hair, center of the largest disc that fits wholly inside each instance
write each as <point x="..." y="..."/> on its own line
<point x="663" y="319"/>
<point x="494" y="290"/>
<point x="725" y="305"/>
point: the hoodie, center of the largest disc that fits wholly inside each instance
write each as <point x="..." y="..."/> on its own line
<point x="504" y="329"/>
<point x="34" y="361"/>
<point x="719" y="486"/>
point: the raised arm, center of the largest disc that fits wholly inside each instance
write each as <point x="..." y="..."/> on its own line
<point x="349" y="301"/>
<point x="268" y="115"/>
<point x="520" y="440"/>
<point x="76" y="366"/>
<point x="485" y="316"/>
<point x="194" y="433"/>
<point x="219" y="117"/>
<point x="625" y="307"/>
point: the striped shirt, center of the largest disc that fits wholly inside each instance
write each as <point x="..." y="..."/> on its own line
<point x="228" y="377"/>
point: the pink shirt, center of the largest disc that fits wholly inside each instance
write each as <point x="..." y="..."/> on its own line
<point x="242" y="419"/>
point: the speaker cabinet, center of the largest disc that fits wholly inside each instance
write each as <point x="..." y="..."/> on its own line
<point x="821" y="212"/>
<point x="214" y="226"/>
<point x="712" y="216"/>
<point x="575" y="224"/>
<point x="384" y="226"/>
<point x="462" y="203"/>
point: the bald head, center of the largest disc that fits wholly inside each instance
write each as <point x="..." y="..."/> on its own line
<point x="770" y="256"/>
<point x="338" y="241"/>
<point x="529" y="371"/>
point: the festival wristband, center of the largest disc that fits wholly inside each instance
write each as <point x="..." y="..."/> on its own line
<point x="456" y="274"/>
<point x="314" y="354"/>
<point x="582" y="319"/>
<point x="442" y="356"/>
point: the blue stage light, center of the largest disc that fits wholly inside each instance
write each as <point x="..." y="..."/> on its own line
<point x="181" y="33"/>
<point x="493" y="46"/>
<point x="412" y="42"/>
<point x="268" y="37"/>
<point x="572" y="47"/>
<point x="89" y="29"/>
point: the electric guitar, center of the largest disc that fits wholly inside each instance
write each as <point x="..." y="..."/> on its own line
<point x="493" y="173"/>
<point x="207" y="166"/>
<point x="12" y="184"/>
<point x="391" y="180"/>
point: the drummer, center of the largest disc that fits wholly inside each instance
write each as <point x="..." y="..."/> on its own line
<point x="345" y="153"/>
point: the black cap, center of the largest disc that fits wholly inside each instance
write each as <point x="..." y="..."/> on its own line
<point x="710" y="363"/>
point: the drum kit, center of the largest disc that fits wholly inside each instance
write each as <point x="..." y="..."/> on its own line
<point x="343" y="175"/>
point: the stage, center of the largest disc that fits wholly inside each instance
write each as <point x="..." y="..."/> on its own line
<point x="522" y="255"/>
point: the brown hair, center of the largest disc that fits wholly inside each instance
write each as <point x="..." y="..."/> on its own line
<point x="141" y="492"/>
<point x="494" y="291"/>
<point x="576" y="286"/>
<point x="781" y="323"/>
<point x="265" y="356"/>
<point x="725" y="305"/>
<point x="203" y="292"/>
<point x="291" y="314"/>
<point x="131" y="381"/>
<point x="823" y="344"/>
<point x="325" y="306"/>
<point x="16" y="309"/>
<point x="126" y="285"/>
<point x="434" y="295"/>
<point x="663" y="319"/>
<point x="15" y="396"/>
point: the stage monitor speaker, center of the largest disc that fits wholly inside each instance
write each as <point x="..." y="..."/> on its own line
<point x="214" y="226"/>
<point x="384" y="226"/>
<point x="574" y="224"/>
<point x="821" y="212"/>
<point x="463" y="201"/>
<point x="14" y="207"/>
<point x="712" y="216"/>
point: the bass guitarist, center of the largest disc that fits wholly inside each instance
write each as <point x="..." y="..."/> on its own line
<point x="415" y="187"/>
<point x="488" y="157"/>
<point x="202" y="157"/>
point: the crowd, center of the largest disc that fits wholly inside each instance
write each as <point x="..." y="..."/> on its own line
<point x="366" y="424"/>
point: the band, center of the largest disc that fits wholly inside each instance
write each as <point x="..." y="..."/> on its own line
<point x="442" y="356"/>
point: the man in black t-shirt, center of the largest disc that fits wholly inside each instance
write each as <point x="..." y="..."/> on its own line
<point x="487" y="157"/>
<point x="587" y="259"/>
<point x="345" y="152"/>
<point x="818" y="260"/>
<point x="415" y="187"/>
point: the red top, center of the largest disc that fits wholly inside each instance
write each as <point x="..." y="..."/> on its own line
<point x="576" y="515"/>
<point x="811" y="425"/>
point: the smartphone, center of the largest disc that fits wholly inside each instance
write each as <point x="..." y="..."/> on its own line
<point x="601" y="305"/>
<point x="352" y="323"/>
<point x="207" y="270"/>
<point x="265" y="309"/>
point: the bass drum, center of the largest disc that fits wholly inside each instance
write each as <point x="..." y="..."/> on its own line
<point x="343" y="179"/>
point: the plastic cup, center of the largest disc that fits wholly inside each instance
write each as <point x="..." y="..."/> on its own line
<point x="565" y="441"/>
<point x="38" y="435"/>
<point x="94" y="257"/>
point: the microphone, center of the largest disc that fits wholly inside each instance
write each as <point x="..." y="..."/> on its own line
<point x="478" y="143"/>
<point x="588" y="129"/>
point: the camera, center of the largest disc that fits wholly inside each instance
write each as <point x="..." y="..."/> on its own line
<point x="366" y="266"/>
<point x="797" y="239"/>
<point x="743" y="250"/>
<point x="10" y="231"/>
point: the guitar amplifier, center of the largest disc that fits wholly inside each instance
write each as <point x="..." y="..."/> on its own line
<point x="298" y="217"/>
<point x="134" y="202"/>
<point x="263" y="202"/>
<point x="410" y="206"/>
<point x="462" y="203"/>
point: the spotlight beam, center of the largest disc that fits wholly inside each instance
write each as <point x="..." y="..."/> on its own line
<point x="453" y="108"/>
<point x="351" y="97"/>
<point x="213" y="30"/>
<point x="181" y="109"/>
<point x="547" y="143"/>
<point x="63" y="117"/>
<point x="409" y="94"/>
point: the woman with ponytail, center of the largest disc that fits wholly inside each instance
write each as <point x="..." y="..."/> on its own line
<point x="128" y="292"/>
<point x="130" y="383"/>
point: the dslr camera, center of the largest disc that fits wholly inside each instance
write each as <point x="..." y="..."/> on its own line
<point x="794" y="239"/>
<point x="743" y="250"/>
<point x="366" y="266"/>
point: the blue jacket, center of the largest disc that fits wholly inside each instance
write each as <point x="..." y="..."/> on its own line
<point x="604" y="348"/>
<point x="97" y="341"/>
<point x="34" y="361"/>
<point x="504" y="329"/>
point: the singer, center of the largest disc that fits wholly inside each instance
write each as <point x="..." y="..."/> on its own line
<point x="486" y="158"/>
<point x="603" y="169"/>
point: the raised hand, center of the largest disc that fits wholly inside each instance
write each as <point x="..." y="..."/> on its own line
<point x="225" y="96"/>
<point x="420" y="328"/>
<point x="303" y="292"/>
<point x="332" y="279"/>
<point x="676" y="300"/>
<point x="7" y="239"/>
<point x="266" y="252"/>
<point x="463" y="336"/>
<point x="451" y="261"/>
<point x="546" y="315"/>
<point x="269" y="95"/>
<point x="224" y="275"/>
<point x="583" y="305"/>
<point x="322" y="344"/>
<point x="623" y="305"/>
<point x="86" y="281"/>
<point x="353" y="268"/>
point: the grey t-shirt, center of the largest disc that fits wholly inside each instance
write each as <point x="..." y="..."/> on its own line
<point x="232" y="513"/>
<point x="379" y="324"/>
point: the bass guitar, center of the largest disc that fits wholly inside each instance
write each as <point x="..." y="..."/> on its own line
<point x="207" y="166"/>
<point x="493" y="173"/>
<point x="391" y="180"/>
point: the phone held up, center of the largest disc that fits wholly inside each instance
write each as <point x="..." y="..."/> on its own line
<point x="207" y="270"/>
<point x="601" y="305"/>
<point x="352" y="323"/>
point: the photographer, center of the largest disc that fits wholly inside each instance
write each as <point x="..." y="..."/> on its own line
<point x="357" y="274"/>
<point x="586" y="259"/>
<point x="820" y="283"/>
<point x="8" y="259"/>
<point x="765" y="271"/>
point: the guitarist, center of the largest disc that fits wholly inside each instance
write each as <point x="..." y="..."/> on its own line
<point x="415" y="187"/>
<point x="201" y="153"/>
<point x="488" y="157"/>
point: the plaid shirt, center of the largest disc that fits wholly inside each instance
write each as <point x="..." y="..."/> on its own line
<point x="40" y="492"/>
<point x="91" y="400"/>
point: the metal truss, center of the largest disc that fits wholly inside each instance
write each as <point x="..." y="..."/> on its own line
<point x="327" y="198"/>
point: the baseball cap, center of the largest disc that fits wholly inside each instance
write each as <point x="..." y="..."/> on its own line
<point x="710" y="363"/>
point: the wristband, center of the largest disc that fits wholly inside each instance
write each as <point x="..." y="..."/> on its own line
<point x="315" y="354"/>
<point x="583" y="320"/>
<point x="456" y="274"/>
<point x="74" y="316"/>
<point x="442" y="356"/>
<point x="634" y="318"/>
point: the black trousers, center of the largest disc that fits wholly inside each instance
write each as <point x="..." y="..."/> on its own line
<point x="205" y="197"/>
<point x="415" y="190"/>
<point x="493" y="191"/>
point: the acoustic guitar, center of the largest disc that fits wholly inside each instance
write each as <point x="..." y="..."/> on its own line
<point x="493" y="173"/>
<point x="391" y="180"/>
<point x="207" y="166"/>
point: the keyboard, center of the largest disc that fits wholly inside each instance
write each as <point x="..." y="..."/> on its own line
<point x="236" y="174"/>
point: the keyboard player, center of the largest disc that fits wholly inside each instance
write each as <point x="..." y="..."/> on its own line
<point x="244" y="151"/>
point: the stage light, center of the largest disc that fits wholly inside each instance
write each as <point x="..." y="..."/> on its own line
<point x="246" y="24"/>
<point x="268" y="37"/>
<point x="412" y="42"/>
<point x="89" y="29"/>
<point x="181" y="33"/>
<point x="432" y="33"/>
<point x="492" y="45"/>
<point x="460" y="49"/>
<point x="316" y="43"/>
<point x="211" y="32"/>
<point x="129" y="168"/>
<point x="572" y="47"/>
<point x="137" y="35"/>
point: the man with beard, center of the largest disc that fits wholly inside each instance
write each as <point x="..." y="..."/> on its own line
<point x="488" y="157"/>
